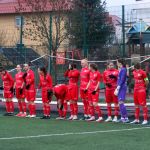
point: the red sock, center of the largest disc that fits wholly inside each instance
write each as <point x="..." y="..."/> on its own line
<point x="75" y="105"/>
<point x="29" y="107"/>
<point x="71" y="109"/>
<point x="65" y="110"/>
<point x="48" y="110"/>
<point x="11" y="104"/>
<point x="116" y="110"/>
<point x="137" y="113"/>
<point x="44" y="110"/>
<point x="33" y="109"/>
<point x="85" y="106"/>
<point x="7" y="107"/>
<point x="109" y="110"/>
<point x="60" y="113"/>
<point x="24" y="106"/>
<point x="98" y="110"/>
<point x="145" y="113"/>
<point x="92" y="110"/>
<point x="20" y="107"/>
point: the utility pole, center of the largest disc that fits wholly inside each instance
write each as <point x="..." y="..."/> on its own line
<point x="85" y="47"/>
<point x="123" y="30"/>
<point x="50" y="43"/>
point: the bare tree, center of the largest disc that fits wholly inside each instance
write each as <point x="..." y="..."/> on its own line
<point x="37" y="25"/>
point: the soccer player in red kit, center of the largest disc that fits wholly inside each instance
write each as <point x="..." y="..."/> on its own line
<point x="61" y="93"/>
<point x="30" y="91"/>
<point x="73" y="74"/>
<point x="19" y="86"/>
<point x="8" y="84"/>
<point x="141" y="81"/>
<point x="93" y="93"/>
<point x="84" y="80"/>
<point x="110" y="77"/>
<point x="46" y="86"/>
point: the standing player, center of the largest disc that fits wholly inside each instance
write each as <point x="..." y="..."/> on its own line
<point x="73" y="74"/>
<point x="8" y="84"/>
<point x="141" y="81"/>
<point x="30" y="91"/>
<point x="93" y="93"/>
<point x="84" y="80"/>
<point x="61" y="93"/>
<point x="20" y="92"/>
<point x="46" y="85"/>
<point x="110" y="77"/>
<point x="121" y="89"/>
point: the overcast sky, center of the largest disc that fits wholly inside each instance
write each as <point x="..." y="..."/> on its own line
<point x="124" y="2"/>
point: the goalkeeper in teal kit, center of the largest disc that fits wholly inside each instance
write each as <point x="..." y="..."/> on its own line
<point x="121" y="89"/>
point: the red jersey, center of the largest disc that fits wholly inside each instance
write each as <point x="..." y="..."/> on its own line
<point x="8" y="81"/>
<point x="95" y="77"/>
<point x="84" y="77"/>
<point x="109" y="80"/>
<point x="61" y="91"/>
<point x="139" y="76"/>
<point x="19" y="80"/>
<point x="73" y="76"/>
<point x="30" y="79"/>
<point x="45" y="82"/>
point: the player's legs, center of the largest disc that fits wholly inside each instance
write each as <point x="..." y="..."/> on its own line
<point x="123" y="110"/>
<point x="73" y="92"/>
<point x="84" y="97"/>
<point x="116" y="107"/>
<point x="109" y="100"/>
<point x="31" y="105"/>
<point x="143" y="103"/>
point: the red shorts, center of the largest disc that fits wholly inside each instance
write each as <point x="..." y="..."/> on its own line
<point x="8" y="94"/>
<point x="83" y="95"/>
<point x="45" y="97"/>
<point x="140" y="97"/>
<point x="30" y="95"/>
<point x="18" y="95"/>
<point x="73" y="92"/>
<point x="111" y="97"/>
<point x="93" y="98"/>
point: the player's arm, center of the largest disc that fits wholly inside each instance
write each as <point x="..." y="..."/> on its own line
<point x="11" y="80"/>
<point x="66" y="74"/>
<point x="104" y="78"/>
<point x="145" y="78"/>
<point x="50" y="82"/>
<point x="99" y="78"/>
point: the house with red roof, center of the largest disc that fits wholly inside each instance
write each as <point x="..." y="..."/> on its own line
<point x="10" y="21"/>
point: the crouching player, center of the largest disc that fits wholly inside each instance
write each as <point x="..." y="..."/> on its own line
<point x="20" y="92"/>
<point x="110" y="77"/>
<point x="30" y="91"/>
<point x="61" y="93"/>
<point x="73" y="74"/>
<point x="141" y="81"/>
<point x="46" y="85"/>
<point x="121" y="89"/>
<point x="8" y="84"/>
<point x="93" y="93"/>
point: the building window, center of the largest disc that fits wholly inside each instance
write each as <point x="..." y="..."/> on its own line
<point x="18" y="21"/>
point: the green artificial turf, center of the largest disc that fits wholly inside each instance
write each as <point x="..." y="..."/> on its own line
<point x="70" y="135"/>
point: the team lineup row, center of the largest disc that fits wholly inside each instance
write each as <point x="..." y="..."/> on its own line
<point x="114" y="79"/>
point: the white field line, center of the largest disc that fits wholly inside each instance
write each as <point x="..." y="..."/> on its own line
<point x="72" y="133"/>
